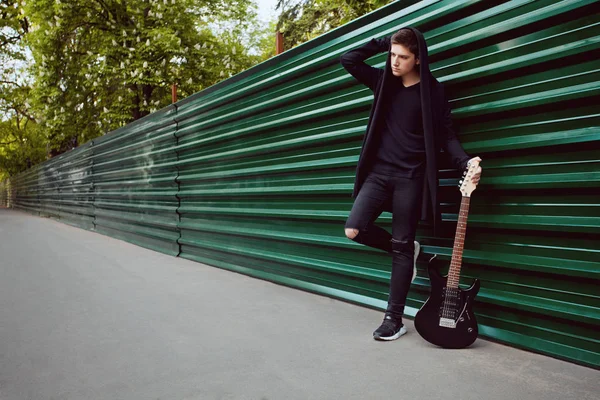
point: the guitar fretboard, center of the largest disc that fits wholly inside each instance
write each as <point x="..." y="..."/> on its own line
<point x="459" y="243"/>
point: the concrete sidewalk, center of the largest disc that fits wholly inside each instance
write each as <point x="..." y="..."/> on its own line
<point x="85" y="316"/>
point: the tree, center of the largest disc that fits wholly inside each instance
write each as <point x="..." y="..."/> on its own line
<point x="303" y="20"/>
<point x="14" y="25"/>
<point x="21" y="142"/>
<point x="100" y="64"/>
<point x="263" y="41"/>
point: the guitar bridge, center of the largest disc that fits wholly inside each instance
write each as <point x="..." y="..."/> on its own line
<point x="447" y="323"/>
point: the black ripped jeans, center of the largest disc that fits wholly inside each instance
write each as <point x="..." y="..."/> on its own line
<point x="406" y="196"/>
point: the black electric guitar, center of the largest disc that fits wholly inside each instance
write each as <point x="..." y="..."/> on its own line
<point x="447" y="319"/>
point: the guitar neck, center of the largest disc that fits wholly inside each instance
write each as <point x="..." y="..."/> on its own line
<point x="459" y="243"/>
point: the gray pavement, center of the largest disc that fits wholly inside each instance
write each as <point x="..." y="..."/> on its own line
<point x="85" y="316"/>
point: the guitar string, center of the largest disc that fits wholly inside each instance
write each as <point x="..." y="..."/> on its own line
<point x="449" y="310"/>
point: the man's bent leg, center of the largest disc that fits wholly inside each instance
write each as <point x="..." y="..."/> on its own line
<point x="366" y="208"/>
<point x="372" y="236"/>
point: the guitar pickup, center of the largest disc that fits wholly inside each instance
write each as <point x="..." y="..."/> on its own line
<point x="447" y="323"/>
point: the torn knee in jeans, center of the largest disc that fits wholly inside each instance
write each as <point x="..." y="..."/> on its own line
<point x="351" y="233"/>
<point x="402" y="246"/>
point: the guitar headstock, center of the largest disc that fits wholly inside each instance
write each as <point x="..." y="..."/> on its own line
<point x="465" y="185"/>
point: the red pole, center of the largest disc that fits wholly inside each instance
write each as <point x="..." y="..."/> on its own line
<point x="278" y="42"/>
<point x="174" y="93"/>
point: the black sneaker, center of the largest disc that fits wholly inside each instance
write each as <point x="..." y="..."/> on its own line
<point x="391" y="329"/>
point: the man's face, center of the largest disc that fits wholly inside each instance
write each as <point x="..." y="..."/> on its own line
<point x="403" y="61"/>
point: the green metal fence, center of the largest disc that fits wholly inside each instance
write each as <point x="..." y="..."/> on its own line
<point x="135" y="188"/>
<point x="76" y="187"/>
<point x="255" y="173"/>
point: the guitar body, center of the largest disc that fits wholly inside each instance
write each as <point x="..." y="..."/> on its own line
<point x="459" y="309"/>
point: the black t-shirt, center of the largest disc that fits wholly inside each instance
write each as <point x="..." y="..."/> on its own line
<point x="402" y="144"/>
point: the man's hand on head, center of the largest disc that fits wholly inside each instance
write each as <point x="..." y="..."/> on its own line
<point x="385" y="44"/>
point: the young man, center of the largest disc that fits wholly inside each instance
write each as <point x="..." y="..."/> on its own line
<point x="410" y="121"/>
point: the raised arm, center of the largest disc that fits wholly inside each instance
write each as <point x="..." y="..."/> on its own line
<point x="354" y="61"/>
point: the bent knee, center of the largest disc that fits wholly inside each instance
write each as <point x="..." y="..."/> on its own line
<point x="351" y="233"/>
<point x="402" y="246"/>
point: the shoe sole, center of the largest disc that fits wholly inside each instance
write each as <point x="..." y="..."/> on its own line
<point x="417" y="250"/>
<point x="401" y="332"/>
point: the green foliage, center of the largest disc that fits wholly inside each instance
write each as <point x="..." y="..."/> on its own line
<point x="22" y="143"/>
<point x="303" y="20"/>
<point x="263" y="41"/>
<point x="102" y="64"/>
<point x="13" y="26"/>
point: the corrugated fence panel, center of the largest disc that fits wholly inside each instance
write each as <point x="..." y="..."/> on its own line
<point x="26" y="190"/>
<point x="76" y="187"/>
<point x="524" y="102"/>
<point x="48" y="184"/>
<point x="254" y="174"/>
<point x="60" y="188"/>
<point x="135" y="188"/>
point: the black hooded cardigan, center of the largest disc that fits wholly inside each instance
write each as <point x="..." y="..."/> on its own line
<point x="437" y="121"/>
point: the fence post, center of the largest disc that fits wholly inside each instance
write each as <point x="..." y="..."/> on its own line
<point x="278" y="42"/>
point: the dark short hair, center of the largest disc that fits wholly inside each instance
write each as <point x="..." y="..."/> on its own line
<point x="408" y="39"/>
